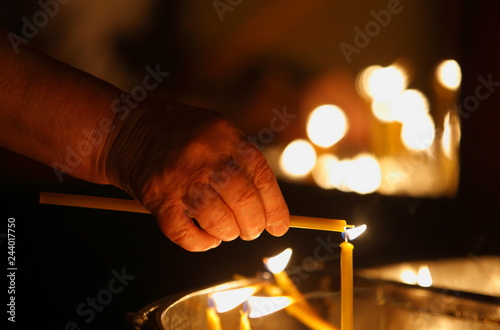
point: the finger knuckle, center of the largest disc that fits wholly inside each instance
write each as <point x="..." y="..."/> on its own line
<point x="216" y="222"/>
<point x="263" y="174"/>
<point x="245" y="197"/>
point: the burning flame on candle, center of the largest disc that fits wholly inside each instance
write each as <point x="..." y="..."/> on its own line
<point x="298" y="158"/>
<point x="424" y="277"/>
<point x="326" y="125"/>
<point x="278" y="263"/>
<point x="449" y="75"/>
<point x="226" y="300"/>
<point x="353" y="233"/>
<point x="262" y="306"/>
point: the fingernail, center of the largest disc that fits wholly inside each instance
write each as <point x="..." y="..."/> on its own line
<point x="250" y="237"/>
<point x="278" y="228"/>
<point x="216" y="244"/>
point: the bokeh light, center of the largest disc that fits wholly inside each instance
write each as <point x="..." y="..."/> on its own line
<point x="363" y="174"/>
<point x="451" y="135"/>
<point x="322" y="172"/>
<point x="449" y="74"/>
<point x="298" y="158"/>
<point x="410" y="103"/>
<point x="385" y="83"/>
<point x="418" y="132"/>
<point x="326" y="125"/>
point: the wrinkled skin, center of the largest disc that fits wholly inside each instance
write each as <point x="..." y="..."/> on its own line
<point x="197" y="174"/>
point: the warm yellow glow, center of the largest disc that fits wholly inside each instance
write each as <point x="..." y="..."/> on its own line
<point x="384" y="110"/>
<point x="361" y="174"/>
<point x="338" y="175"/>
<point x="424" y="277"/>
<point x="385" y="83"/>
<point x="226" y="300"/>
<point x="409" y="276"/>
<point x="418" y="132"/>
<point x="363" y="79"/>
<point x="353" y="233"/>
<point x="278" y="263"/>
<point x="298" y="158"/>
<point x="451" y="135"/>
<point x="410" y="103"/>
<point x="322" y="172"/>
<point x="262" y="306"/>
<point x="364" y="175"/>
<point x="326" y="125"/>
<point x="449" y="74"/>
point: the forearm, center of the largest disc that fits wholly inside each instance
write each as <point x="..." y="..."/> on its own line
<point x="54" y="113"/>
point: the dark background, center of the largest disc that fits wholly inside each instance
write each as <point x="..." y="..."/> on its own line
<point x="65" y="255"/>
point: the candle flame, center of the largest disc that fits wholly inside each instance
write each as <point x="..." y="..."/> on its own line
<point x="409" y="276"/>
<point x="278" y="263"/>
<point x="262" y="306"/>
<point x="424" y="277"/>
<point x="353" y="233"/>
<point x="226" y="300"/>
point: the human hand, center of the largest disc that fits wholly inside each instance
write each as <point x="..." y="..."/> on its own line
<point x="183" y="162"/>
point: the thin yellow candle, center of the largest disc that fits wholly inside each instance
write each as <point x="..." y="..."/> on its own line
<point x="346" y="286"/>
<point x="276" y="265"/>
<point x="318" y="223"/>
<point x="244" y="321"/>
<point x="300" y="309"/>
<point x="310" y="319"/>
<point x="213" y="319"/>
<point x="128" y="205"/>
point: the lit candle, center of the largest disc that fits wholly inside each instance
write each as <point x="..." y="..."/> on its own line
<point x="261" y="306"/>
<point x="244" y="321"/>
<point x="300" y="309"/>
<point x="276" y="265"/>
<point x="346" y="286"/>
<point x="213" y="320"/>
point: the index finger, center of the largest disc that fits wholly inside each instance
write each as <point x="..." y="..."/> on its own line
<point x="261" y="175"/>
